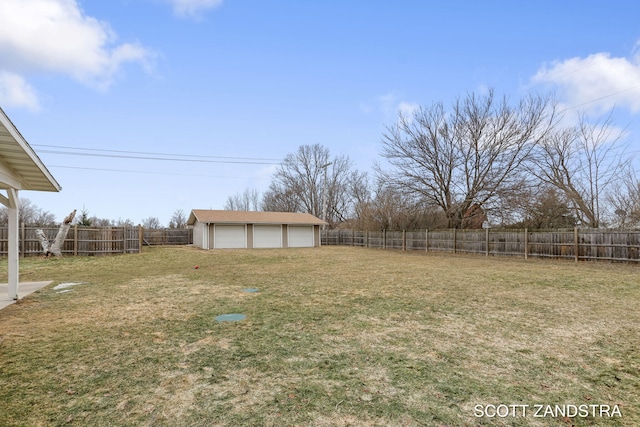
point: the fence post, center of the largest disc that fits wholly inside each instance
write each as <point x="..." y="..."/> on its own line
<point x="486" y="240"/>
<point x="384" y="239"/>
<point x="22" y="239"/>
<point x="404" y="240"/>
<point x="140" y="237"/>
<point x="124" y="239"/>
<point x="576" y="246"/>
<point x="454" y="240"/>
<point x="526" y="243"/>
<point x="426" y="240"/>
<point x="353" y="237"/>
<point x="366" y="238"/>
<point x="75" y="240"/>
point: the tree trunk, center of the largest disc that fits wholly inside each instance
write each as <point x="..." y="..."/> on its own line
<point x="55" y="249"/>
<point x="43" y="241"/>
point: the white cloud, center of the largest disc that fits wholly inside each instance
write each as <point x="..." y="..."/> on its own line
<point x="16" y="92"/>
<point x="192" y="8"/>
<point x="596" y="83"/>
<point x="390" y="106"/>
<point x="388" y="103"/>
<point x="406" y="109"/>
<point x="55" y="36"/>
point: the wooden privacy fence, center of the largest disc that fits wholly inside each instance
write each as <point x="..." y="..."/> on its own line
<point x="168" y="236"/>
<point x="577" y="244"/>
<point x="96" y="240"/>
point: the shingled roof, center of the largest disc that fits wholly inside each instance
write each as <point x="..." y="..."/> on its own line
<point x="252" y="217"/>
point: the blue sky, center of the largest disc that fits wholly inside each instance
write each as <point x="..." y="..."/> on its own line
<point x="251" y="81"/>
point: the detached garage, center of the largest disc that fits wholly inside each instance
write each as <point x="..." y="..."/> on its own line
<point x="215" y="229"/>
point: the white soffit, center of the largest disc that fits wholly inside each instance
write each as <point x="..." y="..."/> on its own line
<point x="20" y="166"/>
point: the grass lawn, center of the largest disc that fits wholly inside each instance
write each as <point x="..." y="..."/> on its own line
<point x="336" y="336"/>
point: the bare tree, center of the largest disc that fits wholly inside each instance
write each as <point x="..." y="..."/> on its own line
<point x="455" y="159"/>
<point x="30" y="214"/>
<point x="310" y="180"/>
<point x="343" y="188"/>
<point x="386" y="208"/>
<point x="178" y="219"/>
<point x="280" y="199"/>
<point x="101" y="222"/>
<point x="361" y="198"/>
<point x="625" y="200"/>
<point x="151" y="223"/>
<point x="540" y="207"/>
<point x="390" y="209"/>
<point x="583" y="162"/>
<point x="248" y="200"/>
<point x="120" y="222"/>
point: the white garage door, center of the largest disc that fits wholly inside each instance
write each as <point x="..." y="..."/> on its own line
<point x="229" y="236"/>
<point x="300" y="236"/>
<point x="267" y="236"/>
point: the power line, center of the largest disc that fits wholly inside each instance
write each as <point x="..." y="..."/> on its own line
<point x="142" y="155"/>
<point x="602" y="97"/>
<point x="148" y="172"/>
<point x="123" y="156"/>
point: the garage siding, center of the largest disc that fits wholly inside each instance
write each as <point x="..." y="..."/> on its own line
<point x="198" y="234"/>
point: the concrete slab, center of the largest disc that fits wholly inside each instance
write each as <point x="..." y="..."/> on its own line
<point x="24" y="289"/>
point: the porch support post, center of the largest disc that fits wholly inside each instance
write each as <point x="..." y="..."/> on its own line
<point x="13" y="247"/>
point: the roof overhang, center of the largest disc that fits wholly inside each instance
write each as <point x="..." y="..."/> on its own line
<point x="252" y="217"/>
<point x="20" y="169"/>
<point x="20" y="166"/>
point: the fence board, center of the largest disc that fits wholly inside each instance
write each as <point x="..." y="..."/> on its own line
<point x="576" y="244"/>
<point x="168" y="236"/>
<point x="89" y="241"/>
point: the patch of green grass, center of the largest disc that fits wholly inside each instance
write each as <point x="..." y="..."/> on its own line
<point x="336" y="336"/>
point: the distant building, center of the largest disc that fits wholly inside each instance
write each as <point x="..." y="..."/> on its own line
<point x="218" y="229"/>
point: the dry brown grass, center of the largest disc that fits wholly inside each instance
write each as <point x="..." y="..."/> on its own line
<point x="336" y="337"/>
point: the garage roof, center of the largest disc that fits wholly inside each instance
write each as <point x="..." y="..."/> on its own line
<point x="20" y="166"/>
<point x="252" y="217"/>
